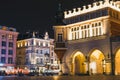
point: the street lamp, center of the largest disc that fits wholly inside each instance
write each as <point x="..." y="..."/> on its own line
<point x="104" y="65"/>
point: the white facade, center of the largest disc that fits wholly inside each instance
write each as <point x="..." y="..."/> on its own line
<point x="39" y="53"/>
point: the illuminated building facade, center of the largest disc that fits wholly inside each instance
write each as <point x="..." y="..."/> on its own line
<point x="89" y="42"/>
<point x="8" y="38"/>
<point x="36" y="53"/>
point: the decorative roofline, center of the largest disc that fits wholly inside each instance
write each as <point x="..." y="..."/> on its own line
<point x="7" y="28"/>
<point x="89" y="8"/>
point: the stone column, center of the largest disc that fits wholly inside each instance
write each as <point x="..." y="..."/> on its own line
<point x="106" y="27"/>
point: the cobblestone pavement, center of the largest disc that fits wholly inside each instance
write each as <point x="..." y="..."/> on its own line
<point x="95" y="77"/>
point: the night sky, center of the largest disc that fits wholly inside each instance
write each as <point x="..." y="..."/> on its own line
<point x="34" y="15"/>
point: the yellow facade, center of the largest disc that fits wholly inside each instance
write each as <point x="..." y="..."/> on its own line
<point x="91" y="39"/>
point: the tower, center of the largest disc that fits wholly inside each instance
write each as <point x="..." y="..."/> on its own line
<point x="59" y="14"/>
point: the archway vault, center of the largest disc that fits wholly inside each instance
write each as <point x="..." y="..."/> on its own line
<point x="117" y="62"/>
<point x="77" y="65"/>
<point x="96" y="62"/>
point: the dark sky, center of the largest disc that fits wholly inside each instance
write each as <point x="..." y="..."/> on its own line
<point x="33" y="15"/>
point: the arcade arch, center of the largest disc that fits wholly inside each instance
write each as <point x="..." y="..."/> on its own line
<point x="78" y="66"/>
<point x="117" y="62"/>
<point x="96" y="60"/>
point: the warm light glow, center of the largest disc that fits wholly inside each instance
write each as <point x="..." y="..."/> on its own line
<point x="87" y="30"/>
<point x="55" y="77"/>
<point x="96" y="62"/>
<point x="93" y="67"/>
<point x="76" y="54"/>
<point x="44" y="44"/>
<point x="21" y="44"/>
<point x="117" y="63"/>
<point x="78" y="65"/>
<point x="18" y="45"/>
<point x="96" y="54"/>
<point x="25" y="43"/>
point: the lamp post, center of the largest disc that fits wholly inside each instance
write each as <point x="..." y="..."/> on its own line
<point x="103" y="65"/>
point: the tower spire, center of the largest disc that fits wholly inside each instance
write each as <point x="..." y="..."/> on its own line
<point x="59" y="14"/>
<point x="33" y="34"/>
<point x="46" y="36"/>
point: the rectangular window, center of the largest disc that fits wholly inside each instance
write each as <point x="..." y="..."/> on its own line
<point x="3" y="36"/>
<point x="10" y="36"/>
<point x="38" y="61"/>
<point x="41" y="61"/>
<point x="41" y="44"/>
<point x="37" y="51"/>
<point x="3" y="60"/>
<point x="46" y="45"/>
<point x="10" y="44"/>
<point x="41" y="51"/>
<point x="10" y="60"/>
<point x="10" y="52"/>
<point x="51" y="61"/>
<point x="3" y="51"/>
<point x="4" y="43"/>
<point x="27" y="61"/>
<point x="59" y="37"/>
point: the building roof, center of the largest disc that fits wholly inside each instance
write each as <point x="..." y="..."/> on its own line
<point x="92" y="7"/>
<point x="5" y="28"/>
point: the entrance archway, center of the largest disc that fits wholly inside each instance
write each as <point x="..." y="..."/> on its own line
<point x="117" y="63"/>
<point x="96" y="62"/>
<point x="78" y="66"/>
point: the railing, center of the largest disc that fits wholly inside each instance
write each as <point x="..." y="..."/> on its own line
<point x="60" y="45"/>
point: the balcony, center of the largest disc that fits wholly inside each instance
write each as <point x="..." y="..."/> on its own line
<point x="60" y="45"/>
<point x="60" y="49"/>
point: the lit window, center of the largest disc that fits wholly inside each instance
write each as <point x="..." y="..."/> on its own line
<point x="43" y="43"/>
<point x="25" y="43"/>
<point x="18" y="45"/>
<point x="10" y="36"/>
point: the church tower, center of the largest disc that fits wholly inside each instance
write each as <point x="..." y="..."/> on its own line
<point x="59" y="14"/>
